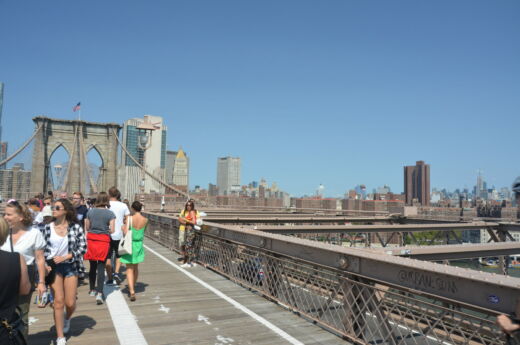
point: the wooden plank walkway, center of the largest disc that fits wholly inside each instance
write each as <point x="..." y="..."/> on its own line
<point x="172" y="308"/>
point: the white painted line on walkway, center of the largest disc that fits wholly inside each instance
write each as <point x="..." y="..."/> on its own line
<point x="228" y="299"/>
<point x="128" y="332"/>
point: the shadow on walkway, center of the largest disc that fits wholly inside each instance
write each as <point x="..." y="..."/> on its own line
<point x="78" y="325"/>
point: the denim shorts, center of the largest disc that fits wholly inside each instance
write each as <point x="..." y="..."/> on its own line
<point x="65" y="270"/>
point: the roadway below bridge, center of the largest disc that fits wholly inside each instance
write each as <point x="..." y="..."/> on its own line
<point x="179" y="306"/>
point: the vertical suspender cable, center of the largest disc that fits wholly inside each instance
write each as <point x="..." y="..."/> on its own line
<point x="146" y="171"/>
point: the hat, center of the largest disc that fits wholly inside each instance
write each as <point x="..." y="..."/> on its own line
<point x="47" y="211"/>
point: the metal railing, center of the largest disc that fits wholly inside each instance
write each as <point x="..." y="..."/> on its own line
<point x="360" y="308"/>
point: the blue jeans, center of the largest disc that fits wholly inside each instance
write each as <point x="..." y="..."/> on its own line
<point x="66" y="270"/>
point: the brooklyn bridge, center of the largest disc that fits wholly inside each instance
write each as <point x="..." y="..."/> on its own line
<point x="286" y="275"/>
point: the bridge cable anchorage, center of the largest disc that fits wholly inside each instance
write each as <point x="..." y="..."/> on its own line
<point x="21" y="148"/>
<point x="71" y="158"/>
<point x="93" y="186"/>
<point x="152" y="175"/>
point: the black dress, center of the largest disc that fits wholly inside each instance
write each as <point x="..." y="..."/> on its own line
<point x="9" y="289"/>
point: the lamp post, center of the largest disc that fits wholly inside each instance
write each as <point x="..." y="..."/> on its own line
<point x="144" y="141"/>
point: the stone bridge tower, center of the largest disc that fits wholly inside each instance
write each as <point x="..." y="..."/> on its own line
<point x="77" y="138"/>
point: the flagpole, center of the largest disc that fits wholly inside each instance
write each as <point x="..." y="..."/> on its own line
<point x="79" y="114"/>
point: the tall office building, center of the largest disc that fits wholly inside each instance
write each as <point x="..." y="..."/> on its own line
<point x="1" y="107"/>
<point x="170" y="162"/>
<point x="145" y="140"/>
<point x="181" y="169"/>
<point x="228" y="175"/>
<point x="417" y="183"/>
<point x="3" y="145"/>
<point x="3" y="153"/>
<point x="177" y="168"/>
<point x="15" y="183"/>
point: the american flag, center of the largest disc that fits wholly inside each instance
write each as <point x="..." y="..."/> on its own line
<point x="77" y="107"/>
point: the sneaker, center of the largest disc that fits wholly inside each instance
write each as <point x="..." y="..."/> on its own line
<point x="186" y="265"/>
<point x="193" y="264"/>
<point x="99" y="298"/>
<point x="61" y="341"/>
<point x="110" y="282"/>
<point x="117" y="278"/>
<point x="92" y="293"/>
<point x="66" y="324"/>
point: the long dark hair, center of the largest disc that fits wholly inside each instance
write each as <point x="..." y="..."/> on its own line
<point x="102" y="200"/>
<point x="70" y="210"/>
<point x="192" y="203"/>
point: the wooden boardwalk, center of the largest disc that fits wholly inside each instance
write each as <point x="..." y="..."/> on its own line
<point x="174" y="307"/>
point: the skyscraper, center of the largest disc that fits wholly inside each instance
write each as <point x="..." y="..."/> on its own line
<point x="1" y="107"/>
<point x="170" y="162"/>
<point x="228" y="175"/>
<point x="3" y="145"/>
<point x="181" y="169"/>
<point x="145" y="140"/>
<point x="417" y="183"/>
<point x="481" y="185"/>
<point x="3" y="153"/>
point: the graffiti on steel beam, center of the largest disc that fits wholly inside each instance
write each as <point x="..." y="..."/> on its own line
<point x="421" y="280"/>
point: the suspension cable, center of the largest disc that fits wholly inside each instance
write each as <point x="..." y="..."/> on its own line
<point x="71" y="158"/>
<point x="146" y="171"/>
<point x="93" y="186"/>
<point x="21" y="147"/>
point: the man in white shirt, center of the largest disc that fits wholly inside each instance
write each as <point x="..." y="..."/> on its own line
<point x="121" y="211"/>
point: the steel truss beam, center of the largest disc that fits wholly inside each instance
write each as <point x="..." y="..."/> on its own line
<point x="295" y="229"/>
<point x="284" y="219"/>
<point x="452" y="252"/>
<point x="485" y="290"/>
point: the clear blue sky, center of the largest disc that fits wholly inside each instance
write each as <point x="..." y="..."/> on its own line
<point x="305" y="92"/>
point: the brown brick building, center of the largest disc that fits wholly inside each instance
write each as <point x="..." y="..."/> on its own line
<point x="417" y="183"/>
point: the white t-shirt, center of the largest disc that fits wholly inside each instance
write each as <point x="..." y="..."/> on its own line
<point x="29" y="242"/>
<point x="121" y="211"/>
<point x="59" y="245"/>
<point x="38" y="218"/>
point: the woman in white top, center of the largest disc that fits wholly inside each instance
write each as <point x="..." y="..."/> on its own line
<point x="27" y="240"/>
<point x="65" y="247"/>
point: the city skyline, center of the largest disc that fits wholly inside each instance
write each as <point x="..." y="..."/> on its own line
<point x="329" y="96"/>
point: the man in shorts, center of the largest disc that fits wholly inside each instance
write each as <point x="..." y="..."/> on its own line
<point x="121" y="211"/>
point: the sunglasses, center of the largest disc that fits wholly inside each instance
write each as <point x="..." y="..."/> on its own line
<point x="58" y="208"/>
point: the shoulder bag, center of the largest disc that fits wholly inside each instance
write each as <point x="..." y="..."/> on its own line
<point x="14" y="328"/>
<point x="125" y="245"/>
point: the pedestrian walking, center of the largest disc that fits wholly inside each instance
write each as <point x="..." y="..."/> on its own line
<point x="78" y="201"/>
<point x="27" y="240"/>
<point x="15" y="282"/>
<point x="65" y="247"/>
<point x="121" y="211"/>
<point x="99" y="225"/>
<point x="136" y="223"/>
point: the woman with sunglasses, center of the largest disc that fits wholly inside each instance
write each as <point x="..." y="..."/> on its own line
<point x="65" y="248"/>
<point x="99" y="224"/>
<point x="188" y="219"/>
<point x="27" y="240"/>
